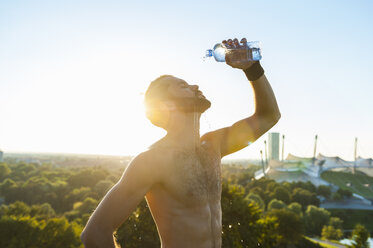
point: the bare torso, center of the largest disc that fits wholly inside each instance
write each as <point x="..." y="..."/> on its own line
<point x="186" y="205"/>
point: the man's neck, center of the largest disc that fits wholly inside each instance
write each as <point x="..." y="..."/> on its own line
<point x="184" y="131"/>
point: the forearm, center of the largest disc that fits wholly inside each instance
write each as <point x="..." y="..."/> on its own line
<point x="265" y="100"/>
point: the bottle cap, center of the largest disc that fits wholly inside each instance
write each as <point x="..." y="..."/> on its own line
<point x="209" y="53"/>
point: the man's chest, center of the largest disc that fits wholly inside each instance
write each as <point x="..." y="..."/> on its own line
<point x="195" y="176"/>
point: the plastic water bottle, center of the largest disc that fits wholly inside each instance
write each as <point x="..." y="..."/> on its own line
<point x="252" y="48"/>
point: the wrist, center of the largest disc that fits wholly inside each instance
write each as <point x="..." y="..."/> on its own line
<point x="254" y="72"/>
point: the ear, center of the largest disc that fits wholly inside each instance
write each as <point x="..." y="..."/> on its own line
<point x="167" y="106"/>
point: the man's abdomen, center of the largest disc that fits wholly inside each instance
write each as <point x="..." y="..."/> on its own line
<point x="195" y="225"/>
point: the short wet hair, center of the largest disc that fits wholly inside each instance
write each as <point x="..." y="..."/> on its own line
<point x="154" y="95"/>
<point x="157" y="90"/>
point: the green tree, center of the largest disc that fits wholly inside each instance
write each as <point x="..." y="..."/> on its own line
<point x="268" y="232"/>
<point x="87" y="177"/>
<point x="27" y="232"/>
<point x="256" y="199"/>
<point x="336" y="222"/>
<point x="102" y="187"/>
<point x="281" y="193"/>
<point x="276" y="204"/>
<point x="304" y="185"/>
<point x="76" y="195"/>
<point x="315" y="219"/>
<point x="296" y="208"/>
<point x="87" y="206"/>
<point x="344" y="193"/>
<point x="239" y="218"/>
<point x="305" y="197"/>
<point x="17" y="208"/>
<point x="59" y="233"/>
<point x="19" y="232"/>
<point x="324" y="191"/>
<point x="4" y="171"/>
<point x="138" y="230"/>
<point x="290" y="226"/>
<point x="44" y="211"/>
<point x="9" y="189"/>
<point x="360" y="237"/>
<point x="336" y="196"/>
<point x="329" y="232"/>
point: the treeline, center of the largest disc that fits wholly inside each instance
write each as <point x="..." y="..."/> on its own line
<point x="48" y="206"/>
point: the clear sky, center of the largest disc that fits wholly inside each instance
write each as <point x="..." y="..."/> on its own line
<point x="72" y="73"/>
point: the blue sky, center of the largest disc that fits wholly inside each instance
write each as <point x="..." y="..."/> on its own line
<point x="72" y="73"/>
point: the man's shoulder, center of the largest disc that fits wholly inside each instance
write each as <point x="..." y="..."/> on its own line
<point x="153" y="156"/>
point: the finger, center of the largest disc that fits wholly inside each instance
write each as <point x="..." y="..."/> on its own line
<point x="243" y="41"/>
<point x="230" y="42"/>
<point x="224" y="42"/>
<point x="235" y="43"/>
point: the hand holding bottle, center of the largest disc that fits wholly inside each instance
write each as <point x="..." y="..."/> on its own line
<point x="238" y="55"/>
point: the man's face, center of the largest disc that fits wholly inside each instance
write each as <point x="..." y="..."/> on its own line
<point x="186" y="97"/>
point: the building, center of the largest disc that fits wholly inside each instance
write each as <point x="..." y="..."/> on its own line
<point x="1" y="156"/>
<point x="273" y="146"/>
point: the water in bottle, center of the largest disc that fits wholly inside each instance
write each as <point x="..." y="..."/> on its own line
<point x="250" y="51"/>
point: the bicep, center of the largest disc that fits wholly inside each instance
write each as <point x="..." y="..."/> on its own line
<point x="240" y="134"/>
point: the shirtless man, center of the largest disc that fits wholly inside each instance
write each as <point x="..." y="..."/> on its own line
<point x="180" y="174"/>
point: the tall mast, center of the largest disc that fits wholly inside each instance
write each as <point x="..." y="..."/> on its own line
<point x="355" y="155"/>
<point x="314" y="151"/>
<point x="261" y="156"/>
<point x="283" y="144"/>
<point x="265" y="150"/>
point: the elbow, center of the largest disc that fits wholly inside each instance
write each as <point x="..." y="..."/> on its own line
<point x="271" y="118"/>
<point x="88" y="238"/>
<point x="276" y="116"/>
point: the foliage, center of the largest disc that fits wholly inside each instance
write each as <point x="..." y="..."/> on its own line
<point x="276" y="204"/>
<point x="351" y="217"/>
<point x="281" y="193"/>
<point x="239" y="218"/>
<point x="296" y="208"/>
<point x="47" y="206"/>
<point x="344" y="193"/>
<point x="336" y="222"/>
<point x="237" y="174"/>
<point x="252" y="197"/>
<point x="305" y="197"/>
<point x="315" y="218"/>
<point x="4" y="171"/>
<point x="329" y="232"/>
<point x="138" y="230"/>
<point x="333" y="231"/>
<point x="360" y="237"/>
<point x="324" y="191"/>
<point x="290" y="227"/>
<point x="28" y="232"/>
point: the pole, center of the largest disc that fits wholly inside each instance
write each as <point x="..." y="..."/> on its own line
<point x="283" y="144"/>
<point x="314" y="151"/>
<point x="265" y="150"/>
<point x="261" y="156"/>
<point x="355" y="155"/>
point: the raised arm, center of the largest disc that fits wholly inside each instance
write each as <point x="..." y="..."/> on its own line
<point x="119" y="203"/>
<point x="266" y="115"/>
